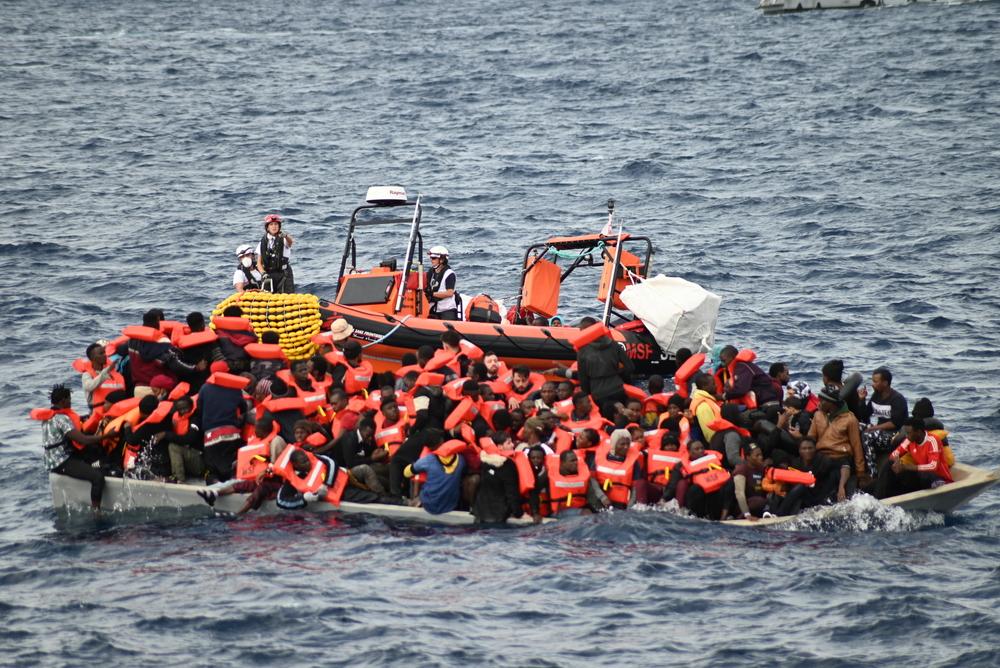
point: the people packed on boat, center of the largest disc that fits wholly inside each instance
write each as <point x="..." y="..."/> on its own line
<point x="459" y="428"/>
<point x="274" y="257"/>
<point x="441" y="289"/>
<point x="246" y="277"/>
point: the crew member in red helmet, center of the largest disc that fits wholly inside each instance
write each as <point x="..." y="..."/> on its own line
<point x="274" y="255"/>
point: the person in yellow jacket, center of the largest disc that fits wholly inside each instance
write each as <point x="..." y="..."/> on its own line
<point x="704" y="405"/>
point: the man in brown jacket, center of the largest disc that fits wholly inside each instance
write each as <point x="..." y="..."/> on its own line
<point x="837" y="435"/>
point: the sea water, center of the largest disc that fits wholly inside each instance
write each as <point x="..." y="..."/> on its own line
<point x="832" y="175"/>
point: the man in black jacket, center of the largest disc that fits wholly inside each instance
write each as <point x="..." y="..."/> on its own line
<point x="603" y="370"/>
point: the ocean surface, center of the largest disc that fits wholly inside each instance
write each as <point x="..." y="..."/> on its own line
<point x="835" y="176"/>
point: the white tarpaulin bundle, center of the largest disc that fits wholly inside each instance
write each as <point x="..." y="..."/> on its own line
<point x="678" y="313"/>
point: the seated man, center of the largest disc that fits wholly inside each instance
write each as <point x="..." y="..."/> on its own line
<point x="184" y="443"/>
<point x="710" y="489"/>
<point x="742" y="378"/>
<point x="443" y="487"/>
<point x="67" y="449"/>
<point x="925" y="469"/>
<point x="355" y="450"/>
<point x="801" y="497"/>
<point x="748" y="479"/>
<point x="837" y="435"/>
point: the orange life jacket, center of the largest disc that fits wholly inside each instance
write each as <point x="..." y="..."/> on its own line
<point x="686" y="372"/>
<point x="594" y="421"/>
<point x="252" y="459"/>
<point x="265" y="351"/>
<point x="230" y="380"/>
<point x="465" y="411"/>
<point x="659" y="463"/>
<point x="615" y="477"/>
<point x="390" y="436"/>
<point x="526" y="482"/>
<point x="113" y="382"/>
<point x="316" y="478"/>
<point x="358" y="378"/>
<point x="131" y="452"/>
<point x="232" y="323"/>
<point x="707" y="471"/>
<point x="143" y="333"/>
<point x="790" y="476"/>
<point x="43" y="414"/>
<point x="444" y="359"/>
<point x="589" y="335"/>
<point x="567" y="491"/>
<point x="194" y="339"/>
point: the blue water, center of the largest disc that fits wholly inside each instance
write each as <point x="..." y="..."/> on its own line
<point x="833" y="175"/>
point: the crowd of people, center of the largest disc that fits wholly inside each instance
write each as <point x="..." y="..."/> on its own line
<point x="456" y="428"/>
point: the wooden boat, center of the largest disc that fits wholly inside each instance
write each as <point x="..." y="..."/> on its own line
<point x="389" y="313"/>
<point x="969" y="483"/>
<point x="784" y="6"/>
<point x="159" y="499"/>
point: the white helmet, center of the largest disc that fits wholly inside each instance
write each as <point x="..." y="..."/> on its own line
<point x="438" y="251"/>
<point x="244" y="249"/>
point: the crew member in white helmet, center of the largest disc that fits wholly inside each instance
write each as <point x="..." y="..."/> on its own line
<point x="246" y="276"/>
<point x="441" y="284"/>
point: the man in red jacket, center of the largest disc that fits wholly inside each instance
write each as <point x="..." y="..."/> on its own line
<point x="923" y="469"/>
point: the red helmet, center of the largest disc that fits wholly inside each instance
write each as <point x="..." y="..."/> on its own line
<point x="272" y="218"/>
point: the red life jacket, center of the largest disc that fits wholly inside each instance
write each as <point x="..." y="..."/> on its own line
<point x="567" y="491"/>
<point x="113" y="382"/>
<point x="316" y="478"/>
<point x="707" y="471"/>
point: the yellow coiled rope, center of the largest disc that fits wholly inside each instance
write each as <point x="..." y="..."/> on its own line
<point x="295" y="318"/>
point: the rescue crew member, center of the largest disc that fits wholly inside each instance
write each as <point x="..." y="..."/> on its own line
<point x="274" y="258"/>
<point x="441" y="282"/>
<point x="246" y="277"/>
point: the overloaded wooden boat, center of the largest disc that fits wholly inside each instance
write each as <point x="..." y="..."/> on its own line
<point x="969" y="482"/>
<point x="151" y="498"/>
<point x="389" y="313"/>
